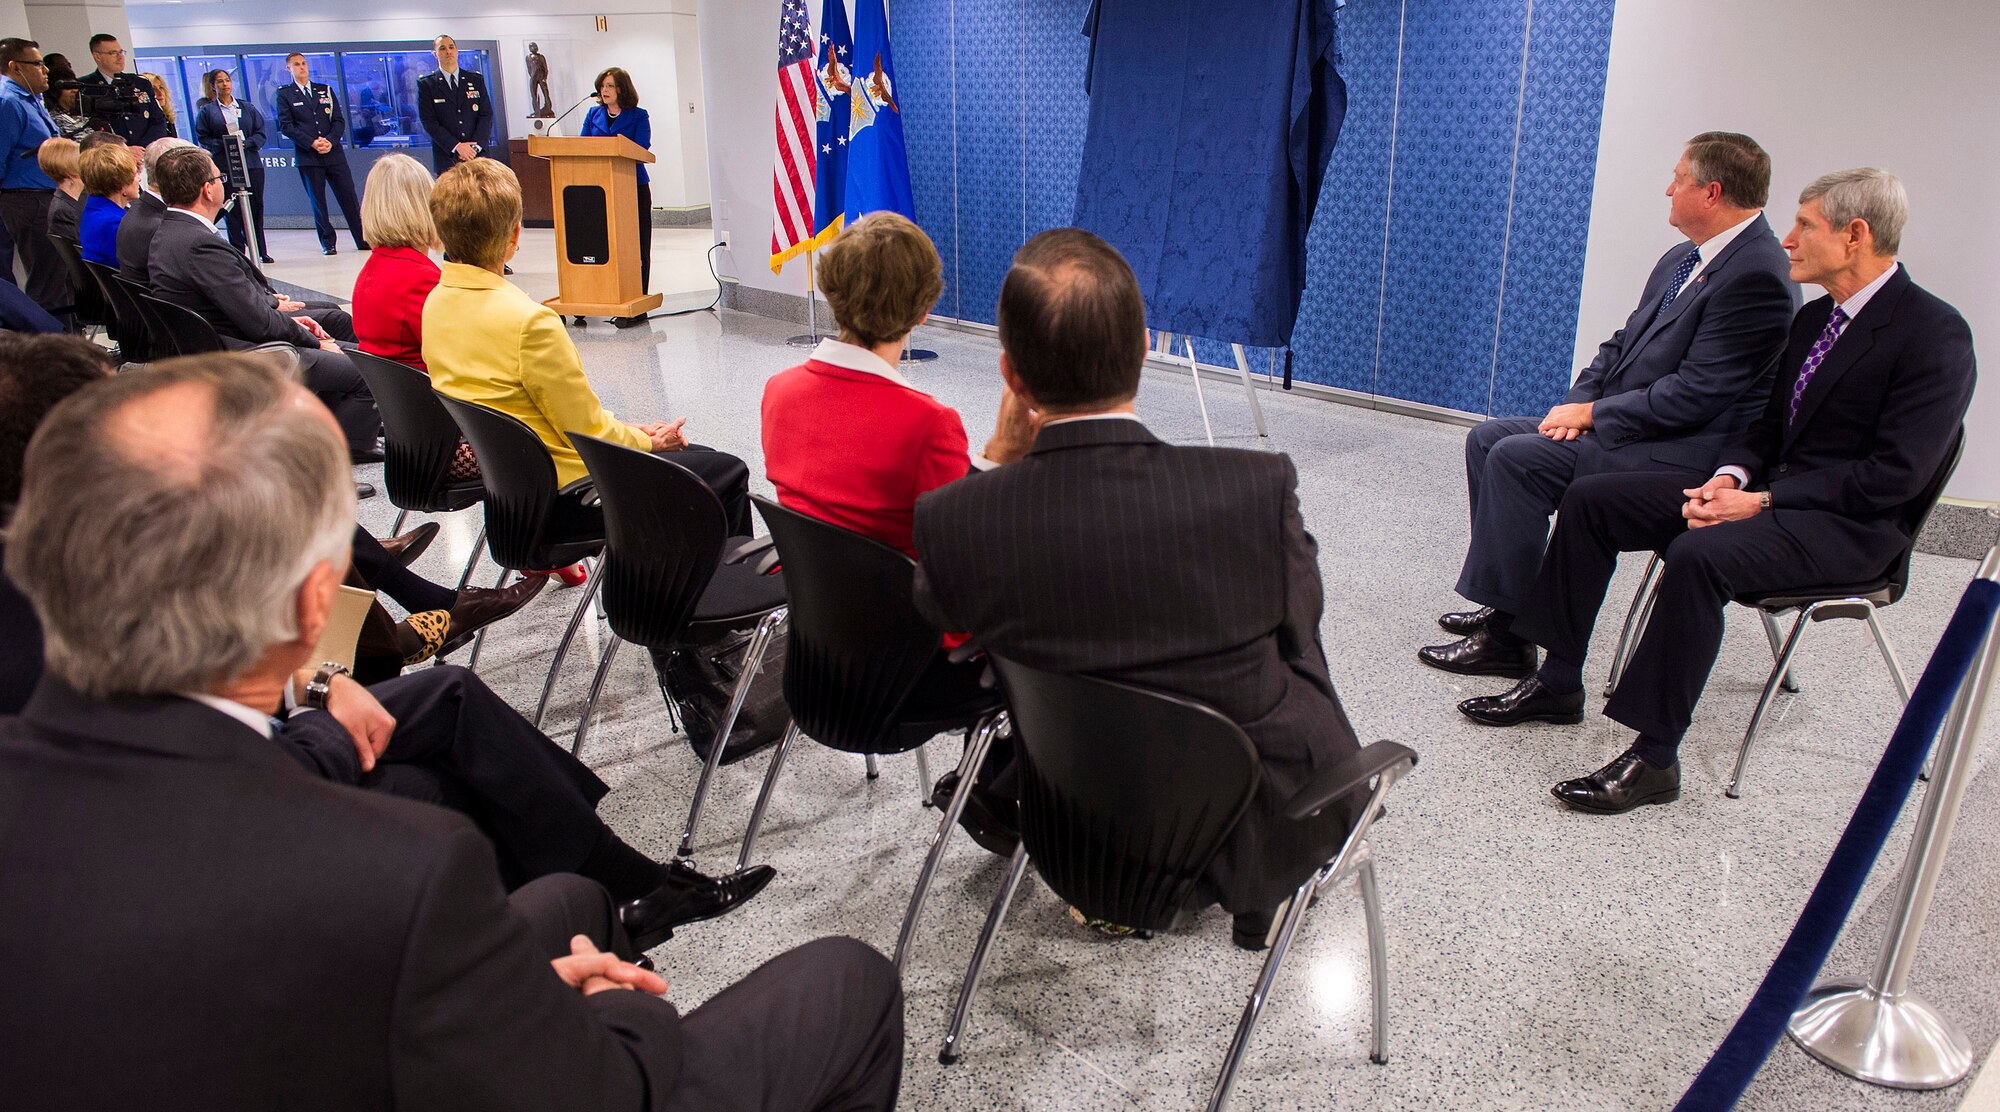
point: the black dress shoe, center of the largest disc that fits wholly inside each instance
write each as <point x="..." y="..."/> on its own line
<point x="507" y="270"/>
<point x="364" y="455"/>
<point x="1482" y="653"/>
<point x="682" y="899"/>
<point x="1462" y="622"/>
<point x="406" y="548"/>
<point x="634" y="321"/>
<point x="993" y="823"/>
<point x="1625" y="783"/>
<point x="329" y="250"/>
<point x="1527" y="701"/>
<point x="364" y="490"/>
<point x="266" y="259"/>
<point x="479" y="607"/>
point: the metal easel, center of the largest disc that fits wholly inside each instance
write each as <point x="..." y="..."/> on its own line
<point x="1242" y="368"/>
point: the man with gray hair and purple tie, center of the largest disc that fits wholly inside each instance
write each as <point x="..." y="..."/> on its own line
<point x="1862" y="419"/>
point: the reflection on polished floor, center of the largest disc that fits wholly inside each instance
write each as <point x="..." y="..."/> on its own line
<point x="1538" y="959"/>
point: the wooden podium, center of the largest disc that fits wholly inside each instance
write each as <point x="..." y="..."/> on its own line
<point x="595" y="188"/>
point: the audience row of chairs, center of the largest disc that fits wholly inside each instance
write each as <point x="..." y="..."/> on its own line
<point x="1118" y="848"/>
<point x="145" y="327"/>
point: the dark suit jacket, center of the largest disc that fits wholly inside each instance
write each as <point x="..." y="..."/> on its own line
<point x="1680" y="388"/>
<point x="1188" y="570"/>
<point x="66" y="216"/>
<point x="451" y="118"/>
<point x="135" y="236"/>
<point x="1875" y="423"/>
<point x="193" y="266"/>
<point x="243" y="935"/>
<point x="211" y="130"/>
<point x="304" y="119"/>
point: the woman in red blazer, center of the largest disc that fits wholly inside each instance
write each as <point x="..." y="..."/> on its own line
<point x="399" y="274"/>
<point x="849" y="441"/>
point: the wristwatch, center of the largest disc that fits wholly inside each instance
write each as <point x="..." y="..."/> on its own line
<point x="317" y="687"/>
<point x="1763" y="499"/>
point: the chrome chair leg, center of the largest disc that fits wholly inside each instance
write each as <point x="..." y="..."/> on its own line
<point x="923" y="776"/>
<point x="1239" y="1043"/>
<point x="478" y="545"/>
<point x="1778" y="671"/>
<point x="764" y="795"/>
<point x="954" y="1044"/>
<point x="1790" y="682"/>
<point x="1896" y="672"/>
<point x="596" y="685"/>
<point x="397" y="529"/>
<point x="1378" y="961"/>
<point x="873" y="766"/>
<point x="562" y="646"/>
<point x="595" y="566"/>
<point x="968" y="771"/>
<point x="753" y="662"/>
<point x="479" y="639"/>
<point x="1636" y="616"/>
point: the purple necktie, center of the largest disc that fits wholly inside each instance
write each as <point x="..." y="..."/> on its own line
<point x="1827" y="335"/>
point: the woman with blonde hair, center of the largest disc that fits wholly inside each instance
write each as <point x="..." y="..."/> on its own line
<point x="159" y="85"/>
<point x="111" y="178"/>
<point x="57" y="157"/>
<point x="389" y="293"/>
<point x="487" y="342"/>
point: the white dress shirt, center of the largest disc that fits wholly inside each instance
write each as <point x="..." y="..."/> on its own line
<point x="1714" y="247"/>
<point x="254" y="719"/>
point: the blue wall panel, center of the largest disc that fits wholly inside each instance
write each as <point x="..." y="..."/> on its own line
<point x="921" y="35"/>
<point x="1448" y="216"/>
<point x="1419" y="324"/>
<point x="1568" y="53"/>
<point x="991" y="117"/>
<point x="1334" y="342"/>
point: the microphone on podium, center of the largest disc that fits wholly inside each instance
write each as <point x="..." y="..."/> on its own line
<point x="579" y="104"/>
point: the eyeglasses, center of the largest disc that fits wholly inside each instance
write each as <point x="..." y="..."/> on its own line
<point x="111" y="53"/>
<point x="33" y="62"/>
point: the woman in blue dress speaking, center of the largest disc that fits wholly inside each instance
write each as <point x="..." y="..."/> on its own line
<point x="618" y="113"/>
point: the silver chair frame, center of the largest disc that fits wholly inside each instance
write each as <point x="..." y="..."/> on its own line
<point x="1354" y="858"/>
<point x="981" y="740"/>
<point x="873" y="771"/>
<point x="1784" y="648"/>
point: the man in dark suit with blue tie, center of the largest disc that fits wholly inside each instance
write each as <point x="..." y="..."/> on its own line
<point x="454" y="108"/>
<point x="1871" y="390"/>
<point x="309" y="115"/>
<point x="1665" y="393"/>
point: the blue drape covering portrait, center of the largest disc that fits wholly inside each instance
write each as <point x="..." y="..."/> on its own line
<point x="1210" y="130"/>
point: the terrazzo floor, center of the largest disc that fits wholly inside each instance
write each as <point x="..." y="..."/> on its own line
<point x="1538" y="959"/>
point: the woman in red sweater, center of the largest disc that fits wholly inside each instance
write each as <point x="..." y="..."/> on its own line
<point x="399" y="274"/>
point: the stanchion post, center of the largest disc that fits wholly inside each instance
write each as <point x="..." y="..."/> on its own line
<point x="1876" y="1029"/>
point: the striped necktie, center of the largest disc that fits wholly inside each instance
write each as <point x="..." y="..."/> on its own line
<point x="1681" y="273"/>
<point x="1835" y="324"/>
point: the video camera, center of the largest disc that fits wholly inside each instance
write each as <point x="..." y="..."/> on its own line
<point x="105" y="102"/>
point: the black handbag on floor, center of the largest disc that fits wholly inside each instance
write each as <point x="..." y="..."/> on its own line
<point x="699" y="680"/>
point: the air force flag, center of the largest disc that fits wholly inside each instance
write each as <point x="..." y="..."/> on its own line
<point x="878" y="166"/>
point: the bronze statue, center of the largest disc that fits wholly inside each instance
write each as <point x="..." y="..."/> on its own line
<point x="538" y="83"/>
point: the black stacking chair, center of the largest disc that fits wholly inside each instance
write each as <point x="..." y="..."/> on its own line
<point x="1127" y="795"/>
<point x="531" y="525"/>
<point x="86" y="300"/>
<point x="419" y="440"/>
<point x="1858" y="601"/>
<point x="183" y="328"/>
<point x="134" y="339"/>
<point x="857" y="653"/>
<point x="672" y="573"/>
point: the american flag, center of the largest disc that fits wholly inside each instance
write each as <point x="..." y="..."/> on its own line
<point x="792" y="172"/>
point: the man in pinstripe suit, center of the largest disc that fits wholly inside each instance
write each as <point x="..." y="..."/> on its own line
<point x="1107" y="551"/>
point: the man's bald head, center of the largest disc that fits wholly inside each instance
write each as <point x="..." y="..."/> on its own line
<point x="168" y="517"/>
<point x="1072" y="322"/>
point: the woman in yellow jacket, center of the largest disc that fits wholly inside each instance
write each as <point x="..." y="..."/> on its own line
<point x="485" y="341"/>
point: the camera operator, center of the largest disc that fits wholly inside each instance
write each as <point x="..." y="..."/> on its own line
<point x="123" y="100"/>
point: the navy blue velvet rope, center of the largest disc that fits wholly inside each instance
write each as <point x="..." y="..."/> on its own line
<point x="1729" y="1071"/>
